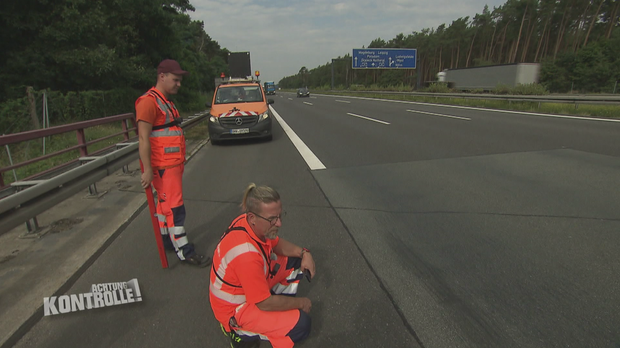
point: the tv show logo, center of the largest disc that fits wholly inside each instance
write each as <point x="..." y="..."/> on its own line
<point x="101" y="295"/>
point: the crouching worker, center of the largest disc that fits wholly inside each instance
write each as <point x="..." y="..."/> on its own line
<point x="255" y="276"/>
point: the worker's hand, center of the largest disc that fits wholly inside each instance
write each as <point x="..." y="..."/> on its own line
<point x="147" y="178"/>
<point x="305" y="304"/>
<point x="307" y="263"/>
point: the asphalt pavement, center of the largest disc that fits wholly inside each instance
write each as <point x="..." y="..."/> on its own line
<point x="350" y="306"/>
<point x="487" y="228"/>
<point x="432" y="226"/>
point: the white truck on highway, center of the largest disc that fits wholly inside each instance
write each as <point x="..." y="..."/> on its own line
<point x="489" y="77"/>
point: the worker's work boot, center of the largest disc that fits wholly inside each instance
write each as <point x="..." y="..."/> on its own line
<point x="236" y="342"/>
<point x="198" y="260"/>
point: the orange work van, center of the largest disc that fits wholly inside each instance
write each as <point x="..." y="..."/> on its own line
<point x="239" y="110"/>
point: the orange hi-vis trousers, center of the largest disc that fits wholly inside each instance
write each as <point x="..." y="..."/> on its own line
<point x="170" y="208"/>
<point x="281" y="328"/>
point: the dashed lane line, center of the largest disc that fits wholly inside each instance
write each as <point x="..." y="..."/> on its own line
<point x="441" y="115"/>
<point x="368" y="118"/>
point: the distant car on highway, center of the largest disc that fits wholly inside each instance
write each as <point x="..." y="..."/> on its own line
<point x="303" y="92"/>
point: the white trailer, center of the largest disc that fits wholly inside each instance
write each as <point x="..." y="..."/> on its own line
<point x="489" y="77"/>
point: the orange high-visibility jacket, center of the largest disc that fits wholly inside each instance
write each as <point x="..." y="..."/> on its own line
<point x="167" y="139"/>
<point x="239" y="257"/>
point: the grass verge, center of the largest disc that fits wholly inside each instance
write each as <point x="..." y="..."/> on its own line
<point x="587" y="110"/>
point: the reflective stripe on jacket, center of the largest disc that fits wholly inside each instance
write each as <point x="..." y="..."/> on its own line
<point x="226" y="293"/>
<point x="167" y="144"/>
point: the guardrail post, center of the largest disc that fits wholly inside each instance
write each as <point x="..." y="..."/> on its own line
<point x="82" y="142"/>
<point x="126" y="166"/>
<point x="134" y="124"/>
<point x="32" y="225"/>
<point x="125" y="131"/>
<point x="92" y="189"/>
<point x="8" y="153"/>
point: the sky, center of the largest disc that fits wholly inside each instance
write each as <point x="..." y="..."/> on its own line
<point x="284" y="35"/>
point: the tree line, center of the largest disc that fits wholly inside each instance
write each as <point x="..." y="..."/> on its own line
<point x="109" y="46"/>
<point x="577" y="43"/>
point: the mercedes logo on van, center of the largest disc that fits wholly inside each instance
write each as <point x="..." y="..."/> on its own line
<point x="238" y="121"/>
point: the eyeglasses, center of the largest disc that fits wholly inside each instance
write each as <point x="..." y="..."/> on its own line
<point x="272" y="220"/>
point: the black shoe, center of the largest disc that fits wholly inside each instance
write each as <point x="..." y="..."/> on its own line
<point x="198" y="260"/>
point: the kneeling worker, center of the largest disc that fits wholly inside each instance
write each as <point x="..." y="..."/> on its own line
<point x="255" y="276"/>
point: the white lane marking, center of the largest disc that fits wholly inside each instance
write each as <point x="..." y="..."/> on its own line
<point x="481" y="109"/>
<point x="313" y="162"/>
<point x="307" y="103"/>
<point x="343" y="101"/>
<point x="368" y="118"/>
<point x="442" y="115"/>
<point x="290" y="98"/>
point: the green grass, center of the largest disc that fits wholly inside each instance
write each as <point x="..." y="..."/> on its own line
<point x="198" y="132"/>
<point x="588" y="110"/>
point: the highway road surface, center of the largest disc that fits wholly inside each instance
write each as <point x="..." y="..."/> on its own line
<point x="432" y="226"/>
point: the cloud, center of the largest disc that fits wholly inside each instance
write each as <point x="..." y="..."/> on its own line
<point x="284" y="35"/>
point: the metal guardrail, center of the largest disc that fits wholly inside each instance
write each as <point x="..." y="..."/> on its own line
<point x="575" y="99"/>
<point x="81" y="147"/>
<point x="40" y="195"/>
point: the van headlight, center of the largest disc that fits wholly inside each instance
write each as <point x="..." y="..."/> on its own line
<point x="214" y="119"/>
<point x="263" y="116"/>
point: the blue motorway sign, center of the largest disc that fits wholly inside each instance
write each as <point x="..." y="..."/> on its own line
<point x="384" y="58"/>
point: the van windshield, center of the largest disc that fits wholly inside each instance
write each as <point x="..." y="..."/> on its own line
<point x="238" y="94"/>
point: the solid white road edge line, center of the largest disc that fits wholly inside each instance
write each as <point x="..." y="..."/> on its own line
<point x="368" y="118"/>
<point x="442" y="115"/>
<point x="313" y="162"/>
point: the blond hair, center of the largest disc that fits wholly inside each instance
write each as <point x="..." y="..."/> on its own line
<point x="255" y="195"/>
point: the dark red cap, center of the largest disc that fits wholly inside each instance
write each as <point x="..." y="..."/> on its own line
<point x="170" y="66"/>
